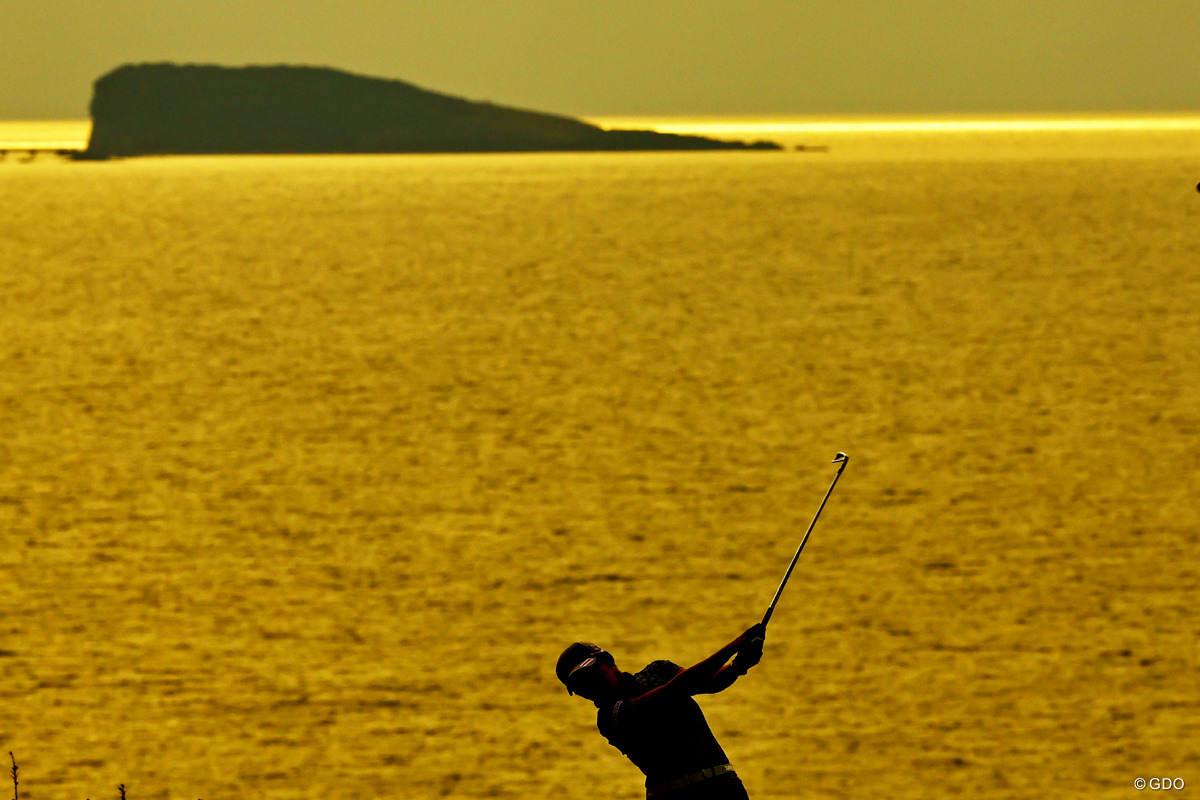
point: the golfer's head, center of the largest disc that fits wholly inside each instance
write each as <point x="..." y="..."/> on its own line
<point x="579" y="667"/>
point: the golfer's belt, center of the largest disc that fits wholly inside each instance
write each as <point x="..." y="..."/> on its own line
<point x="687" y="780"/>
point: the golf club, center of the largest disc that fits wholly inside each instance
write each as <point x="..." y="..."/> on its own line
<point x="842" y="459"/>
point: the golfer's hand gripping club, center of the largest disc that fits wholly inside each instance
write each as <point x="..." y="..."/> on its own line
<point x="840" y="458"/>
<point x="751" y="650"/>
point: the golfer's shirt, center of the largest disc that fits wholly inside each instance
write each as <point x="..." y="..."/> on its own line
<point x="666" y="740"/>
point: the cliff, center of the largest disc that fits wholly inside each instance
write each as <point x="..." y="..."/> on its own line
<point x="158" y="109"/>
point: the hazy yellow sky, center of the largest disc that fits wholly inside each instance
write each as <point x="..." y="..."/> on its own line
<point x="644" y="56"/>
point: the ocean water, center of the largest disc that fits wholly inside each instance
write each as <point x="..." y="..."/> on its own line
<point x="311" y="466"/>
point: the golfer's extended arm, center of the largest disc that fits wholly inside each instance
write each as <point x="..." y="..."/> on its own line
<point x="724" y="678"/>
<point x="697" y="679"/>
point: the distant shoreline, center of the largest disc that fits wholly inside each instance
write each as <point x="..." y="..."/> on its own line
<point x="17" y="134"/>
<point x="72" y="134"/>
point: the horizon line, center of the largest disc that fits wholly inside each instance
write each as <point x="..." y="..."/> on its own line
<point x="910" y="122"/>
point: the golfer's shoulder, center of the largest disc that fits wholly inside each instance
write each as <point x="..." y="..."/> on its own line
<point x="655" y="674"/>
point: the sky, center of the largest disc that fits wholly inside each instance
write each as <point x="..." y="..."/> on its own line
<point x="643" y="57"/>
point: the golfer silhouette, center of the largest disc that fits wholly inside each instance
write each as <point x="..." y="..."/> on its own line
<point x="652" y="718"/>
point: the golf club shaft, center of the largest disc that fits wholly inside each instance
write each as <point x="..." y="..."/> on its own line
<point x="844" y="460"/>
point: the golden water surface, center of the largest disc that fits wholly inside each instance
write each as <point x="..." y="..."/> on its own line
<point x="310" y="466"/>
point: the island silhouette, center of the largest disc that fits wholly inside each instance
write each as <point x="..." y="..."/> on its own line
<point x="174" y="109"/>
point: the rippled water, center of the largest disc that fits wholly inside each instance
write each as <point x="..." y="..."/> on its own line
<point x="310" y="467"/>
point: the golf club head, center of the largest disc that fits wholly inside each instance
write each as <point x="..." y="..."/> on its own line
<point x="839" y="458"/>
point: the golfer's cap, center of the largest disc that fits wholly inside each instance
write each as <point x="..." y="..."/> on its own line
<point x="576" y="657"/>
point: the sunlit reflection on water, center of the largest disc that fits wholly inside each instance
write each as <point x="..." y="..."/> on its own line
<point x="69" y="134"/>
<point x="310" y="466"/>
<point x="947" y="137"/>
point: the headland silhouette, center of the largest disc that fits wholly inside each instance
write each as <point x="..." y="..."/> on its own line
<point x="166" y="109"/>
